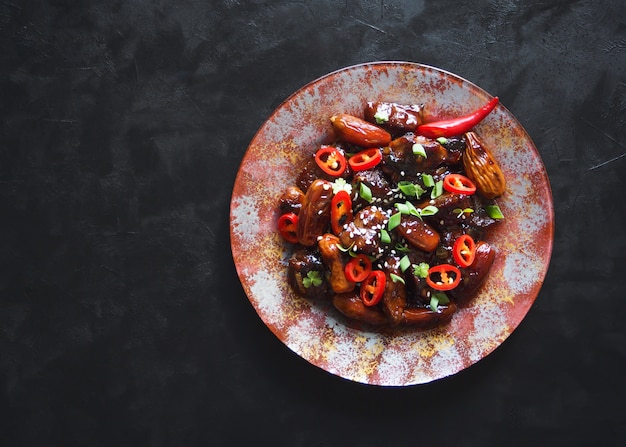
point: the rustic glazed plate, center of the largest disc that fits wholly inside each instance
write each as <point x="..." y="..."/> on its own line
<point x="320" y="334"/>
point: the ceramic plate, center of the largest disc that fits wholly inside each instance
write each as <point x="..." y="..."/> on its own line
<point x="316" y="331"/>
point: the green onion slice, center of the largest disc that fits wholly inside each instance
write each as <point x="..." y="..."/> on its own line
<point x="405" y="263"/>
<point x="365" y="192"/>
<point x="429" y="210"/>
<point x="494" y="212"/>
<point x="428" y="180"/>
<point x="394" y="221"/>
<point x="418" y="149"/>
<point x="396" y="278"/>
<point x="384" y="236"/>
<point x="437" y="190"/>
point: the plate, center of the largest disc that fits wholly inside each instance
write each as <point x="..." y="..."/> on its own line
<point x="317" y="332"/>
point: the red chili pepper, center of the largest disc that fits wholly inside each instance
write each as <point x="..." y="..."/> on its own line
<point x="288" y="227"/>
<point x="459" y="184"/>
<point x="443" y="277"/>
<point x="456" y="126"/>
<point x="340" y="211"/>
<point x="464" y="250"/>
<point x="366" y="159"/>
<point x="373" y="287"/>
<point x="358" y="268"/>
<point x="330" y="160"/>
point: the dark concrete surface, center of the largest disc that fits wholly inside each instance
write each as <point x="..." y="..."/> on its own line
<point x="123" y="123"/>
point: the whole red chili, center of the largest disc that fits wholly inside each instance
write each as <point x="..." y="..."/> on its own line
<point x="456" y="126"/>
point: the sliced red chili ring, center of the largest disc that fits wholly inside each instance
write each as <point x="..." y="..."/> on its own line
<point x="358" y="268"/>
<point x="373" y="287"/>
<point x="288" y="227"/>
<point x="459" y="184"/>
<point x="366" y="159"/>
<point x="443" y="277"/>
<point x="330" y="160"/>
<point x="464" y="250"/>
<point x="340" y="211"/>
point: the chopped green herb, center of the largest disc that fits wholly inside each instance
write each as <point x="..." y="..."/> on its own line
<point x="340" y="184"/>
<point x="381" y="116"/>
<point x="442" y="297"/>
<point x="412" y="210"/>
<point x="421" y="270"/>
<point x="405" y="263"/>
<point x="394" y="221"/>
<point x="384" y="236"/>
<point x="460" y="211"/>
<point x="344" y="249"/>
<point x="401" y="248"/>
<point x="437" y="190"/>
<point x="418" y="149"/>
<point x="429" y="210"/>
<point x="402" y="207"/>
<point x="442" y="140"/>
<point x="434" y="303"/>
<point x="410" y="189"/>
<point x="312" y="279"/>
<point x="494" y="212"/>
<point x="428" y="180"/>
<point x="365" y="192"/>
<point x="396" y="278"/>
<point x="438" y="298"/>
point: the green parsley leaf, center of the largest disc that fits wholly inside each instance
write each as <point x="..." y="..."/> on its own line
<point x="381" y="116"/>
<point x="312" y="279"/>
<point x="421" y="270"/>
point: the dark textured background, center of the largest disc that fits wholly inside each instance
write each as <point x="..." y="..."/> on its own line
<point x="123" y="123"/>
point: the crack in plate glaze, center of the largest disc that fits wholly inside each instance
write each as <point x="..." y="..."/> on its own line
<point x="316" y="331"/>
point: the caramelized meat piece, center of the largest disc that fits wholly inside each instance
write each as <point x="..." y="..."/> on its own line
<point x="351" y="306"/>
<point x="291" y="200"/>
<point x="418" y="233"/>
<point x="395" y="118"/>
<point x="301" y="263"/>
<point x="474" y="276"/>
<point x="332" y="257"/>
<point x="400" y="160"/>
<point x="363" y="233"/>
